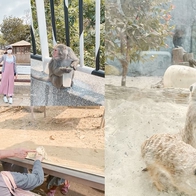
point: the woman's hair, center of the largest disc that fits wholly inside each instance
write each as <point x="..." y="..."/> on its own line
<point x="8" y="47"/>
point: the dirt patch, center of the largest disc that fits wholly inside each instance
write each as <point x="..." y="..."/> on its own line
<point x="133" y="114"/>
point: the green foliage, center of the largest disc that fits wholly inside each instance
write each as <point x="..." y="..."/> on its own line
<point x="13" y="30"/>
<point x="135" y="26"/>
<point x="2" y="41"/>
<point x="88" y="22"/>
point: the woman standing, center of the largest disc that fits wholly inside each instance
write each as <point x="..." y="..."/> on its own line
<point x="8" y="75"/>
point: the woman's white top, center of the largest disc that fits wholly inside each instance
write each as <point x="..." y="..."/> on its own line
<point x="9" y="59"/>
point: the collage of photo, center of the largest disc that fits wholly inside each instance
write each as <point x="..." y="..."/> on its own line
<point x="98" y="98"/>
<point x="51" y="99"/>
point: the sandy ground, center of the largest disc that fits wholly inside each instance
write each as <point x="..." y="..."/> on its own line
<point x="71" y="137"/>
<point x="133" y="114"/>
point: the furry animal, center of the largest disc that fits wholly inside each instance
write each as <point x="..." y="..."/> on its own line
<point x="189" y="132"/>
<point x="171" y="158"/>
<point x="171" y="163"/>
<point x="178" y="37"/>
<point x="63" y="61"/>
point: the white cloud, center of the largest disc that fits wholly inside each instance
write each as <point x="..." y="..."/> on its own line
<point x="15" y="8"/>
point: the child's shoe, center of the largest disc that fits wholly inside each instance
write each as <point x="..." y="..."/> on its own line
<point x="51" y="192"/>
<point x="65" y="187"/>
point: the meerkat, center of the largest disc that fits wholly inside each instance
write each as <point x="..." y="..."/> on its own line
<point x="171" y="163"/>
<point x="64" y="60"/>
<point x="171" y="158"/>
<point x="189" y="132"/>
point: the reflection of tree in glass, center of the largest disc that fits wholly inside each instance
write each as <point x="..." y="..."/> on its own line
<point x="135" y="26"/>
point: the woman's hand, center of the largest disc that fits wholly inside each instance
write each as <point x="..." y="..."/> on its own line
<point x="15" y="77"/>
<point x="22" y="153"/>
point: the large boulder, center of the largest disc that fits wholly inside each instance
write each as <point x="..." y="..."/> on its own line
<point x="179" y="76"/>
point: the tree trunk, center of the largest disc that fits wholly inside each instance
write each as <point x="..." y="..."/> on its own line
<point x="124" y="72"/>
<point x="125" y="50"/>
<point x="123" y="81"/>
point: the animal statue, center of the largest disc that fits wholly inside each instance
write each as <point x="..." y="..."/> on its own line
<point x="171" y="163"/>
<point x="63" y="61"/>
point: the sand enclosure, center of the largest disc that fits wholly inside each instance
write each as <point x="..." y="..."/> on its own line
<point x="71" y="137"/>
<point x="133" y="114"/>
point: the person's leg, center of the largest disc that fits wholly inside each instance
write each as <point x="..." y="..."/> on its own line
<point x="53" y="183"/>
<point x="65" y="187"/>
<point x="52" y="191"/>
<point x="10" y="90"/>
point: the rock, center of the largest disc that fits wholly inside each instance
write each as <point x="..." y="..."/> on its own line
<point x="112" y="70"/>
<point x="179" y="76"/>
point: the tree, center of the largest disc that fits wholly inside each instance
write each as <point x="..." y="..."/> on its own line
<point x="2" y="42"/>
<point x="27" y="17"/>
<point x="135" y="26"/>
<point x="14" y="30"/>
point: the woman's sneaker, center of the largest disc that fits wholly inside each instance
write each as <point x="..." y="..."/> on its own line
<point x="10" y="100"/>
<point x="5" y="99"/>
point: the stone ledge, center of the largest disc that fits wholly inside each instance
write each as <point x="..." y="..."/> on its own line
<point x="86" y="90"/>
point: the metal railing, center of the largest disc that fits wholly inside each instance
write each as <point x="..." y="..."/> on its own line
<point x="44" y="57"/>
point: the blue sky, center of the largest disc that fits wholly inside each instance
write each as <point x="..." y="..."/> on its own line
<point x="15" y="8"/>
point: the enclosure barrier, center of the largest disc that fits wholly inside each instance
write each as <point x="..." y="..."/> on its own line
<point x="88" y="179"/>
